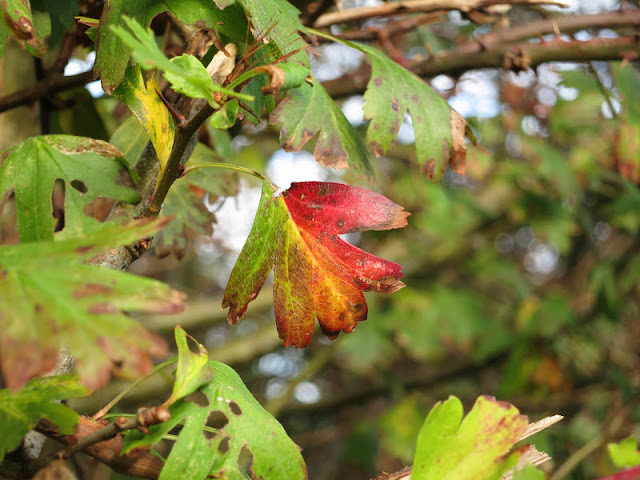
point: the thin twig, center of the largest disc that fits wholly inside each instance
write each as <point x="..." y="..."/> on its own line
<point x="604" y="90"/>
<point x="421" y="6"/>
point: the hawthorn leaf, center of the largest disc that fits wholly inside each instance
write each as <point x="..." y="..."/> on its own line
<point x="17" y="16"/>
<point x="278" y="21"/>
<point x="38" y="399"/>
<point x="317" y="274"/>
<point x="131" y="139"/>
<point x="112" y="52"/>
<point x="625" y="453"/>
<point x="475" y="448"/>
<point x="308" y="111"/>
<point x="225" y="117"/>
<point x="193" y="368"/>
<point x="186" y="73"/>
<point x="143" y="100"/>
<point x="90" y="169"/>
<point x="51" y="299"/>
<point x="185" y="201"/>
<point x="248" y="425"/>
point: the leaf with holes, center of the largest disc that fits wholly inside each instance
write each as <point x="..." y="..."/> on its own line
<point x="393" y="91"/>
<point x="242" y="425"/>
<point x="89" y="168"/>
<point x="51" y="299"/>
<point x="476" y="448"/>
<point x="316" y="272"/>
<point x="308" y="111"/>
<point x="144" y="101"/>
<point x="185" y="202"/>
<point x="40" y="398"/>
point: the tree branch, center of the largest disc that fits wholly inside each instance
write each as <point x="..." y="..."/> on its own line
<point x="43" y="88"/>
<point x="419" y="6"/>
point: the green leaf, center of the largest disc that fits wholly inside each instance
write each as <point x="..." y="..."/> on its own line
<point x="143" y="100"/>
<point x="308" y="111"/>
<point x="275" y="456"/>
<point x="131" y="139"/>
<point x="51" y="299"/>
<point x="4" y="36"/>
<point x="185" y="73"/>
<point x="40" y="398"/>
<point x="474" y="449"/>
<point x="53" y="19"/>
<point x="628" y="84"/>
<point x="226" y="20"/>
<point x="529" y="472"/>
<point x="16" y="15"/>
<point x="193" y="368"/>
<point x="185" y="201"/>
<point x="625" y="453"/>
<point x="278" y="21"/>
<point x="112" y="53"/>
<point x="225" y="117"/>
<point x="89" y="168"/>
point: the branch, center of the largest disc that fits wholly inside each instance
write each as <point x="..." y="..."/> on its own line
<point x="415" y="6"/>
<point x="103" y="442"/>
<point x="44" y="88"/>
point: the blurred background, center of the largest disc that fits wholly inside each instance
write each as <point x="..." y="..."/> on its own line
<point x="522" y="275"/>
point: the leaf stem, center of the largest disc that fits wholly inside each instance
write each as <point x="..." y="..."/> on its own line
<point x="230" y="166"/>
<point x="103" y="411"/>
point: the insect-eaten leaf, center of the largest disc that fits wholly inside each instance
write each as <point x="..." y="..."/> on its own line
<point x="17" y="17"/>
<point x="89" y="168"/>
<point x="218" y="426"/>
<point x="317" y="274"/>
<point x="51" y="299"/>
<point x="308" y="111"/>
<point x="40" y="398"/>
<point x="476" y="448"/>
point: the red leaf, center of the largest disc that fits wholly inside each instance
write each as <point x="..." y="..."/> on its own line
<point x="317" y="274"/>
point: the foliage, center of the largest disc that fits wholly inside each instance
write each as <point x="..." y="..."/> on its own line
<point x="520" y="257"/>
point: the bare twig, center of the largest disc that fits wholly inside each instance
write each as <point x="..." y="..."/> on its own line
<point x="43" y="88"/>
<point x="419" y="6"/>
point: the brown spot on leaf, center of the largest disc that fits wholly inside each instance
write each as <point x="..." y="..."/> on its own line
<point x="37" y="307"/>
<point x="395" y="106"/>
<point x="458" y="147"/>
<point x="377" y="149"/>
<point x="377" y="81"/>
<point x="89" y="289"/>
<point x="340" y="223"/>
<point x="103" y="307"/>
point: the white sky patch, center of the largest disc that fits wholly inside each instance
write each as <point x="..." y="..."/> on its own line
<point x="334" y="60"/>
<point x="353" y="110"/>
<point x="287" y="167"/>
<point x="76" y="66"/>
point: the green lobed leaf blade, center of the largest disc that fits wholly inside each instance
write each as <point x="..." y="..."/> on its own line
<point x="257" y="256"/>
<point x="250" y="426"/>
<point x="50" y="299"/>
<point x="474" y="449"/>
<point x="20" y="411"/>
<point x="33" y="167"/>
<point x="309" y="111"/>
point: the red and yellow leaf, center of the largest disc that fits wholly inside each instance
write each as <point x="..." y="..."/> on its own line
<point x="317" y="274"/>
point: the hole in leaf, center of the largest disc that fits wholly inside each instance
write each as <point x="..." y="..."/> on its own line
<point x="217" y="420"/>
<point x="198" y="398"/>
<point x="79" y="186"/>
<point x="235" y="408"/>
<point x="245" y="461"/>
<point x="223" y="446"/>
<point x="57" y="203"/>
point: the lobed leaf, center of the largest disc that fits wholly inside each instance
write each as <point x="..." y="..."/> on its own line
<point x="625" y="453"/>
<point x="201" y="452"/>
<point x="474" y="448"/>
<point x="317" y="274"/>
<point x="89" y="168"/>
<point x="308" y="111"/>
<point x="39" y="399"/>
<point x="51" y="299"/>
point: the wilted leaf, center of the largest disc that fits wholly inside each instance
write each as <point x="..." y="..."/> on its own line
<point x="275" y="456"/>
<point x="16" y="15"/>
<point x="283" y="76"/>
<point x="474" y="448"/>
<point x="625" y="454"/>
<point x="185" y="201"/>
<point x="51" y="299"/>
<point x="90" y="169"/>
<point x="308" y="111"/>
<point x="40" y="398"/>
<point x="193" y="368"/>
<point x="316" y="272"/>
<point x="143" y="100"/>
<point x="112" y="53"/>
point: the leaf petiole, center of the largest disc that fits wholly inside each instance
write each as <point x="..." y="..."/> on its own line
<point x="230" y="166"/>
